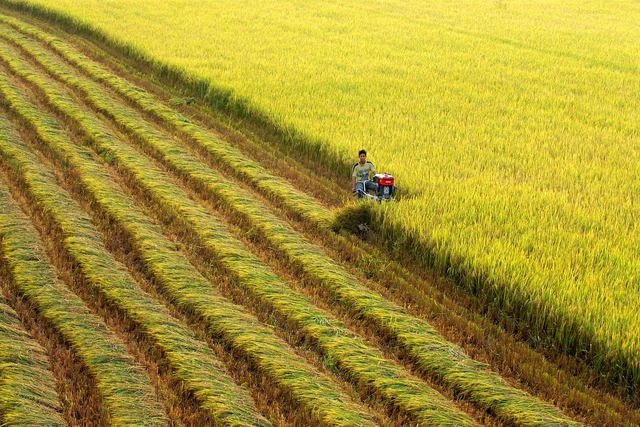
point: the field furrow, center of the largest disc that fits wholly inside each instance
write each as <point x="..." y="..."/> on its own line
<point x="27" y="387"/>
<point x="191" y="360"/>
<point x="193" y="292"/>
<point x="363" y="364"/>
<point x="429" y="350"/>
<point x="125" y="388"/>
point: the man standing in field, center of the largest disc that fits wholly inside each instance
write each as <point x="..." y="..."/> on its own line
<point x="361" y="175"/>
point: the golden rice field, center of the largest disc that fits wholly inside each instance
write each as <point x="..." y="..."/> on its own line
<point x="512" y="126"/>
<point x="183" y="254"/>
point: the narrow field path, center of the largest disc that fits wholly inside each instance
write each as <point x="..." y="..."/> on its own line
<point x="219" y="286"/>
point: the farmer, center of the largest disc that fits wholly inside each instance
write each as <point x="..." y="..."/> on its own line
<point x="361" y="175"/>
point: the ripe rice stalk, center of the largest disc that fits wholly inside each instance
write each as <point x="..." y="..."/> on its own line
<point x="430" y="350"/>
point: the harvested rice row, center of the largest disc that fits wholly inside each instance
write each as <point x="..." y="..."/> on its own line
<point x="27" y="387"/>
<point x="191" y="360"/>
<point x="362" y="363"/>
<point x="222" y="152"/>
<point x="426" y="346"/>
<point x="125" y="388"/>
<point x="317" y="394"/>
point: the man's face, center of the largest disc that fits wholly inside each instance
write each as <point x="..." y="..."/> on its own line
<point x="363" y="158"/>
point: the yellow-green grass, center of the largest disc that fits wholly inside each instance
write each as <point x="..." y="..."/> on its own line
<point x="191" y="360"/>
<point x="27" y="387"/>
<point x="364" y="365"/>
<point x="513" y="124"/>
<point x="126" y="389"/>
<point x="320" y="399"/>
<point x="483" y="387"/>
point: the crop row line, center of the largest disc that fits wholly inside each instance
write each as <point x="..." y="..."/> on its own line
<point x="27" y="388"/>
<point x="192" y="361"/>
<point x="125" y="388"/>
<point x="207" y="144"/>
<point x="424" y="344"/>
<point x="192" y="291"/>
<point x="363" y="363"/>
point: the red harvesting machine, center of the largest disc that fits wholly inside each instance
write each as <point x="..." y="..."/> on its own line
<point x="386" y="188"/>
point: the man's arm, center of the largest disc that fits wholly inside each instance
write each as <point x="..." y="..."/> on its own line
<point x="353" y="183"/>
